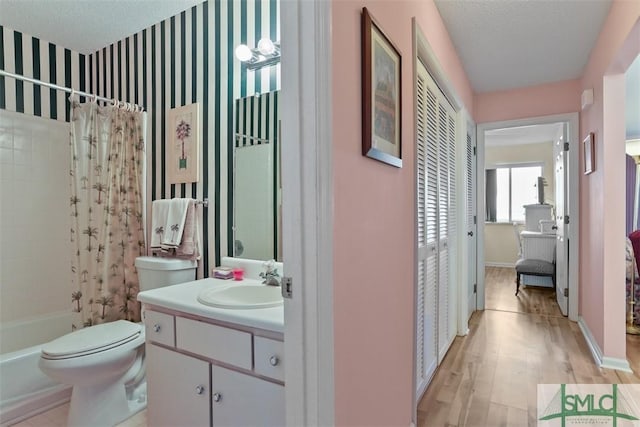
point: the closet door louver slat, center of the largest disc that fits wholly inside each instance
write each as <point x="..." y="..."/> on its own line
<point x="421" y="234"/>
<point x="453" y="230"/>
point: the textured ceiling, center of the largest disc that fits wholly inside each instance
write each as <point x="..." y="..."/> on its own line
<point x="505" y="44"/>
<point x="86" y="25"/>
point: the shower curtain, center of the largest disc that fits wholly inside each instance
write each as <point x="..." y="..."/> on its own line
<point x="107" y="231"/>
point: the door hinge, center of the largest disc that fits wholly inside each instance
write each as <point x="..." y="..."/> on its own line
<point x="287" y="284"/>
<point x="566" y="219"/>
<point x="474" y="151"/>
<point x="566" y="146"/>
<point x="475" y="288"/>
<point x="566" y="292"/>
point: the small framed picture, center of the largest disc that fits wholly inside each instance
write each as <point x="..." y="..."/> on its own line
<point x="183" y="144"/>
<point x="381" y="94"/>
<point x="588" y="150"/>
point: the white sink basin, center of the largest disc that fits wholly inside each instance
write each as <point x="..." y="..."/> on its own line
<point x="242" y="297"/>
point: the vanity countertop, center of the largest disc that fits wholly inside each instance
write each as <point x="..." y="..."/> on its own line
<point x="184" y="297"/>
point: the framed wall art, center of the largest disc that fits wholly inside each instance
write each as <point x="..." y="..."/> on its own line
<point x="183" y="144"/>
<point x="381" y="94"/>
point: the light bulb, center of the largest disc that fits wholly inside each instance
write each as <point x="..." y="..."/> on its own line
<point x="266" y="47"/>
<point x="243" y="53"/>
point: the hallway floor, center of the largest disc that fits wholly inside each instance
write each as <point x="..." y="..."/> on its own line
<point x="490" y="377"/>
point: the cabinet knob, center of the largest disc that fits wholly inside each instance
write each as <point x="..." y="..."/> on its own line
<point x="200" y="389"/>
<point x="274" y="361"/>
<point x="156" y="328"/>
<point x="217" y="397"/>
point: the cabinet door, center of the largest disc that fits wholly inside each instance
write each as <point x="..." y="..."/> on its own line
<point x="177" y="389"/>
<point x="243" y="400"/>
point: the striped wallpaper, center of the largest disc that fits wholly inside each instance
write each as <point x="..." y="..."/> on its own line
<point x="256" y="119"/>
<point x="257" y="122"/>
<point x="29" y="56"/>
<point x="184" y="59"/>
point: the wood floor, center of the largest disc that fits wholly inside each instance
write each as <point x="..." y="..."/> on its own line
<point x="490" y="377"/>
<point x="500" y="289"/>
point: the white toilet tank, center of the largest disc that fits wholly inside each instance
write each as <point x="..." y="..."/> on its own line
<point x="155" y="272"/>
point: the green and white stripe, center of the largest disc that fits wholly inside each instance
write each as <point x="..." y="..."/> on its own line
<point x="38" y="59"/>
<point x="184" y="59"/>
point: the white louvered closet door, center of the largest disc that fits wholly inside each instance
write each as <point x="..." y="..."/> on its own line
<point x="443" y="232"/>
<point x="426" y="233"/>
<point x="453" y="229"/>
<point x="435" y="151"/>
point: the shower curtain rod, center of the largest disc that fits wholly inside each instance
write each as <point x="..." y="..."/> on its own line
<point x="62" y="88"/>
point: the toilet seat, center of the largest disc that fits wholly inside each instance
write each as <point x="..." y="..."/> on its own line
<point x="94" y="339"/>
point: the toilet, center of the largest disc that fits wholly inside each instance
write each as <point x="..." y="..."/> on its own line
<point x="105" y="363"/>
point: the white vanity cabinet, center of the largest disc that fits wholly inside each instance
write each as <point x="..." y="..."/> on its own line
<point x="244" y="400"/>
<point x="204" y="373"/>
<point x="178" y="392"/>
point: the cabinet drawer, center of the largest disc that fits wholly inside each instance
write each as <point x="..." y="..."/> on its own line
<point x="215" y="342"/>
<point x="159" y="328"/>
<point x="268" y="357"/>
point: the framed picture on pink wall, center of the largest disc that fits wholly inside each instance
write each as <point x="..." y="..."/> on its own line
<point x="381" y="94"/>
<point x="588" y="150"/>
<point x="183" y="144"/>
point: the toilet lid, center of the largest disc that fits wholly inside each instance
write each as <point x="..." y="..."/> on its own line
<point x="87" y="340"/>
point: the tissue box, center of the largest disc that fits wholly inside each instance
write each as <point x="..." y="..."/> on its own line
<point x="224" y="273"/>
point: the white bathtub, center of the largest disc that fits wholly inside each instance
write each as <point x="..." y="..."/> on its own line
<point x="24" y="390"/>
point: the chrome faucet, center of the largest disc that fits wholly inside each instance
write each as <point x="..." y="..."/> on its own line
<point x="270" y="275"/>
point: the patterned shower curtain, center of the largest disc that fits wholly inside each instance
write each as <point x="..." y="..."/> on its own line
<point x="107" y="231"/>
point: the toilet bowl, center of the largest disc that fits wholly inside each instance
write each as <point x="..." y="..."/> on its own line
<point x="105" y="363"/>
<point x="100" y="363"/>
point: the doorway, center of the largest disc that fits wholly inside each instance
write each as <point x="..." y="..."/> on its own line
<point x="503" y="148"/>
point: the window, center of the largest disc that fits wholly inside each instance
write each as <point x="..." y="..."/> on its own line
<point x="509" y="188"/>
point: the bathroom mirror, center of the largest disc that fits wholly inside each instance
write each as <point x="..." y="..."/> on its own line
<point x="256" y="185"/>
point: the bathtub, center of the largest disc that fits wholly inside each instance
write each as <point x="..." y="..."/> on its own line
<point x="24" y="390"/>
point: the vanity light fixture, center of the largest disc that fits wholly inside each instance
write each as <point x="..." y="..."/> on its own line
<point x="266" y="54"/>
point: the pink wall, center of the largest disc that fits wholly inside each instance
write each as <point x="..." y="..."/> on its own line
<point x="373" y="222"/>
<point x="534" y="101"/>
<point x="601" y="227"/>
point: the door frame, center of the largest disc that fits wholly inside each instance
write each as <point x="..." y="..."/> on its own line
<point x="468" y="126"/>
<point x="307" y="211"/>
<point x="573" y="178"/>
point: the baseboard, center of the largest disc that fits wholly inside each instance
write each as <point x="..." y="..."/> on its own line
<point x="601" y="361"/>
<point x="499" y="264"/>
<point x="32" y="406"/>
<point x="596" y="353"/>
<point x="616" y="363"/>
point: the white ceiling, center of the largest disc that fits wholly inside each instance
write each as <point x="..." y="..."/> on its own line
<point x="503" y="44"/>
<point x="506" y="44"/>
<point x="86" y="25"/>
<point x="523" y="135"/>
